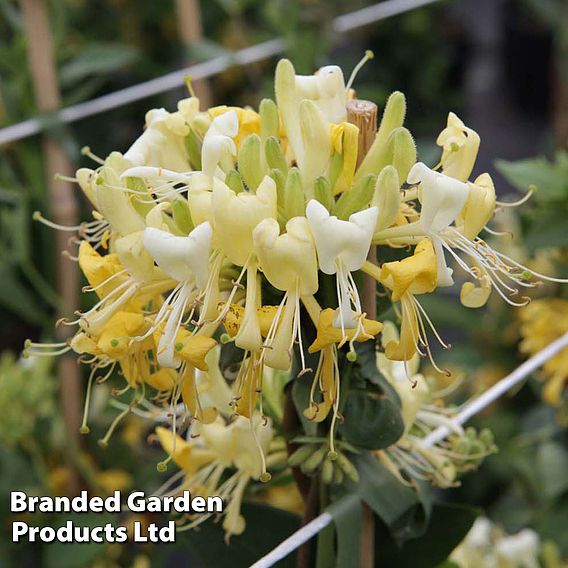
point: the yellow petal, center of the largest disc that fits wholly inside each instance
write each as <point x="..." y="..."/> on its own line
<point x="235" y="314"/>
<point x="318" y="412"/>
<point x="97" y="268"/>
<point x="115" y="336"/>
<point x="472" y="296"/>
<point x="344" y="140"/>
<point x="416" y="274"/>
<point x="191" y="399"/>
<point x="327" y="334"/>
<point x="187" y="457"/>
<point x="162" y="380"/>
<point x="194" y="349"/>
<point x="404" y="348"/>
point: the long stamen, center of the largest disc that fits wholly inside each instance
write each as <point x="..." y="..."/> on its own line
<point x="367" y="57"/>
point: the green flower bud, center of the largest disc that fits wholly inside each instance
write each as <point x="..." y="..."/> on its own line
<point x="387" y="197"/>
<point x="335" y="168"/>
<point x="250" y="161"/>
<point x="356" y="199"/>
<point x="293" y="203"/>
<point x="338" y="475"/>
<point x="487" y="438"/>
<point x="201" y="123"/>
<point x="322" y="192"/>
<point x="193" y="149"/>
<point x="401" y="152"/>
<point x="301" y="454"/>
<point x="347" y="467"/>
<point x="234" y="181"/>
<point x="327" y="472"/>
<point x="274" y="156"/>
<point x="269" y="119"/>
<point x="315" y="460"/>
<point x="393" y="117"/>
<point x="181" y="215"/>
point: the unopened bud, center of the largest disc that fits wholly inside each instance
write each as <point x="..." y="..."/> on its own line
<point x="347" y="467"/>
<point x="269" y="119"/>
<point x="401" y="152"/>
<point x="315" y="460"/>
<point x="327" y="472"/>
<point x="294" y="204"/>
<point x="250" y="161"/>
<point x="301" y="454"/>
<point x="234" y="181"/>
<point x="393" y="117"/>
<point x="387" y="197"/>
<point x="274" y="156"/>
<point x="322" y="192"/>
<point x="181" y="215"/>
<point x="193" y="149"/>
<point x="356" y="199"/>
<point x="338" y="475"/>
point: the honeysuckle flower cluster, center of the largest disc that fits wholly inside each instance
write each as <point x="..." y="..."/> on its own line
<point x="231" y="225"/>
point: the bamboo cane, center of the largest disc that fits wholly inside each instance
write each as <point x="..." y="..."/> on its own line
<point x="191" y="32"/>
<point x="364" y="115"/>
<point x="62" y="203"/>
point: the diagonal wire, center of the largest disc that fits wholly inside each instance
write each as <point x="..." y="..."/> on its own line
<point x="476" y="405"/>
<point x="175" y="79"/>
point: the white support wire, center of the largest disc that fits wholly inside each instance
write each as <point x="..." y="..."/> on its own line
<point x="304" y="534"/>
<point x="209" y="68"/>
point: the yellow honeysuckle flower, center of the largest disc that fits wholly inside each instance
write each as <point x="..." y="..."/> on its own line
<point x="479" y="207"/>
<point x="193" y="349"/>
<point x="460" y="146"/>
<point x="184" y="454"/>
<point x="249" y="120"/>
<point x="328" y="334"/>
<point x="344" y="141"/>
<point x="234" y="316"/>
<point x="416" y="274"/>
<point x="162" y="380"/>
<point x="543" y="321"/>
<point x="99" y="270"/>
<point x="115" y="337"/>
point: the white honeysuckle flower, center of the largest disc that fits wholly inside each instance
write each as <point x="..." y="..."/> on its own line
<point x="460" y="147"/>
<point x="307" y="105"/>
<point x="442" y="197"/>
<point x="520" y="550"/>
<point x="219" y="148"/>
<point x="235" y="215"/>
<point x="185" y="260"/>
<point x="339" y="242"/>
<point x="181" y="258"/>
<point x="342" y="247"/>
<point x="289" y="263"/>
<point x="163" y="142"/>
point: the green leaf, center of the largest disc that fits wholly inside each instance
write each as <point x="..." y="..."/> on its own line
<point x="372" y="420"/>
<point x="448" y="526"/>
<point x="552" y="465"/>
<point x="266" y="527"/>
<point x="15" y="297"/>
<point x="97" y="59"/>
<point x="347" y="516"/>
<point x="550" y="180"/>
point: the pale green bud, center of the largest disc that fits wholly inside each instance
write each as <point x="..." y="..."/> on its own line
<point x="301" y="454"/>
<point x="393" y="117"/>
<point x="347" y="467"/>
<point x="327" y="472"/>
<point x="193" y="149"/>
<point x="250" y="161"/>
<point x="315" y="460"/>
<point x="294" y="204"/>
<point x="338" y="474"/>
<point x="280" y="180"/>
<point x="234" y="181"/>
<point x="335" y="169"/>
<point x="356" y="199"/>
<point x="181" y="215"/>
<point x="269" y="119"/>
<point x="201" y="124"/>
<point x="274" y="156"/>
<point x="322" y="192"/>
<point x="401" y="152"/>
<point x="387" y="197"/>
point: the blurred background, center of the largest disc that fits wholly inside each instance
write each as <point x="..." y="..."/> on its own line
<point x="501" y="65"/>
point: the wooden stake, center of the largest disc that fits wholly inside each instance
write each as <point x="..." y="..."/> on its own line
<point x="364" y="115"/>
<point x="61" y="199"/>
<point x="191" y="33"/>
